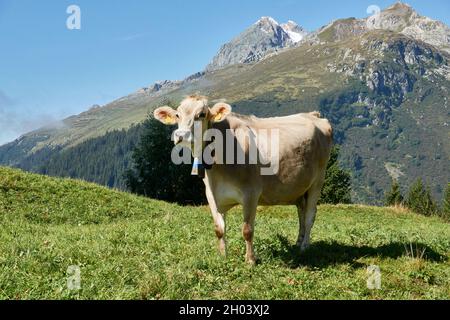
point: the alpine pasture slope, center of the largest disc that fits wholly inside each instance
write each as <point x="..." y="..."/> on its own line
<point x="129" y="247"/>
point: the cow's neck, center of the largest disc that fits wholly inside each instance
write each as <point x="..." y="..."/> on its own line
<point x="230" y="123"/>
<point x="199" y="167"/>
<point x="233" y="121"/>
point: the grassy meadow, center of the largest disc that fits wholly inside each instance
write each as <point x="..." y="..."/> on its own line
<point x="129" y="247"/>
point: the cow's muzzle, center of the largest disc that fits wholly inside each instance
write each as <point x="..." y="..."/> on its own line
<point x="182" y="136"/>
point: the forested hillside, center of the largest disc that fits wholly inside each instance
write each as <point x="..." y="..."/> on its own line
<point x="102" y="160"/>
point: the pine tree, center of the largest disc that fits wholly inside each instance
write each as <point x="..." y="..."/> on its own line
<point x="337" y="187"/>
<point x="155" y="175"/>
<point x="394" y="196"/>
<point x="420" y="199"/>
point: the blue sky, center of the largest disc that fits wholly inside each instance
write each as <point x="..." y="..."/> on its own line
<point x="48" y="72"/>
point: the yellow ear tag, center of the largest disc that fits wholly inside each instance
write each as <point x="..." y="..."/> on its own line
<point x="218" y="117"/>
<point x="169" y="120"/>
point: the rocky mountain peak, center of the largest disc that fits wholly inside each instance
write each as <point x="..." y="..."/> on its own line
<point x="266" y="21"/>
<point x="265" y="36"/>
<point x="400" y="18"/>
<point x="394" y="18"/>
<point x="268" y="25"/>
<point x="295" y="32"/>
<point x="400" y="6"/>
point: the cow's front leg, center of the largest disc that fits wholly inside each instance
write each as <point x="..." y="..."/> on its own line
<point x="218" y="214"/>
<point x="248" y="229"/>
<point x="219" y="228"/>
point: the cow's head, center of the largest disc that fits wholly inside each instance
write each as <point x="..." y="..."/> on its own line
<point x="192" y="110"/>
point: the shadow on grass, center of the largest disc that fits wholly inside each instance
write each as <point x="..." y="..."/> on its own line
<point x="322" y="254"/>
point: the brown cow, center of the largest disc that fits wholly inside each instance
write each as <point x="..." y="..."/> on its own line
<point x="304" y="145"/>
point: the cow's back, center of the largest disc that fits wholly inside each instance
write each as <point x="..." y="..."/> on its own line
<point x="305" y="142"/>
<point x="304" y="145"/>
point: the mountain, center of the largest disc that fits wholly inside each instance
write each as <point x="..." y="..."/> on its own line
<point x="294" y="31"/>
<point x="385" y="92"/>
<point x="400" y="18"/>
<point x="264" y="37"/>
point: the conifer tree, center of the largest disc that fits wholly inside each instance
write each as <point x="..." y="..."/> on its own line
<point x="337" y="187"/>
<point x="394" y="196"/>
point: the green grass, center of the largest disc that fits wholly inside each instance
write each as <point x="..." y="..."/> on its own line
<point x="128" y="247"/>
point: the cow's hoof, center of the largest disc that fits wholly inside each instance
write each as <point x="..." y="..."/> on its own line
<point x="303" y="246"/>
<point x="222" y="248"/>
<point x="251" y="260"/>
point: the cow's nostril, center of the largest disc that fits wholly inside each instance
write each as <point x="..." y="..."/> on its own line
<point x="181" y="136"/>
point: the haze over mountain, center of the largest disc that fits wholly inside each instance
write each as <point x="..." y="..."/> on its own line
<point x="382" y="81"/>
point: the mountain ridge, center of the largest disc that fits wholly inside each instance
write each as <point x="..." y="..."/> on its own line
<point x="400" y="17"/>
<point x="164" y="86"/>
<point x="380" y="88"/>
<point x="264" y="37"/>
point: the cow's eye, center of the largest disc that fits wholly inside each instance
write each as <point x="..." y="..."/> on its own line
<point x="177" y="115"/>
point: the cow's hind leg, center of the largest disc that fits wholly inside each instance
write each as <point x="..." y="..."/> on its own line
<point x="309" y="216"/>
<point x="301" y="207"/>
<point x="248" y="229"/>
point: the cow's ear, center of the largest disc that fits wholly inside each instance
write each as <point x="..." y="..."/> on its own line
<point x="219" y="112"/>
<point x="166" y="115"/>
